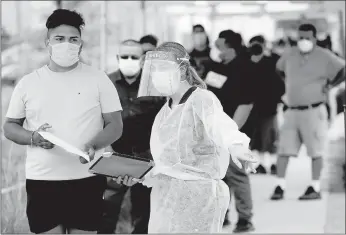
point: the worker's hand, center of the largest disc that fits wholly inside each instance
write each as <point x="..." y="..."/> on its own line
<point x="39" y="141"/>
<point x="127" y="180"/>
<point x="239" y="154"/>
<point x="243" y="153"/>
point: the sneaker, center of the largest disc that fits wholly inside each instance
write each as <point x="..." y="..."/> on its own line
<point x="273" y="169"/>
<point x="244" y="226"/>
<point x="226" y="222"/>
<point x="261" y="170"/>
<point x="278" y="194"/>
<point x="310" y="194"/>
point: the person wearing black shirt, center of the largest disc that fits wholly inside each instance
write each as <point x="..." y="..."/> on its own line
<point x="201" y="51"/>
<point x="237" y="98"/>
<point x="271" y="88"/>
<point x="138" y="116"/>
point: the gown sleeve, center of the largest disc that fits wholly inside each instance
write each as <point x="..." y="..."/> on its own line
<point x="219" y="126"/>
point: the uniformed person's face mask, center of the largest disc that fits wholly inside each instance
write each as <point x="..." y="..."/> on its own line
<point x="129" y="65"/>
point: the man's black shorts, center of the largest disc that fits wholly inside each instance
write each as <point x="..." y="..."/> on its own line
<point x="265" y="136"/>
<point x="75" y="204"/>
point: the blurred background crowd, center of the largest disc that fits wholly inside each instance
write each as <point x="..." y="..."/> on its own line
<point x="108" y="23"/>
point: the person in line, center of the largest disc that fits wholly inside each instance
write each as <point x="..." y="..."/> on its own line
<point x="148" y="42"/>
<point x="309" y="71"/>
<point x="201" y="50"/>
<point x="237" y="96"/>
<point x="271" y="88"/>
<point x="138" y="116"/>
<point x="191" y="142"/>
<point x="78" y="104"/>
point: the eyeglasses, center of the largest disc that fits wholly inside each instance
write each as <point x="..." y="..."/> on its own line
<point x="126" y="57"/>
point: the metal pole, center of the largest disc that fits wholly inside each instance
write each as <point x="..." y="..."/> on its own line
<point x="212" y="19"/>
<point x="144" y="17"/>
<point x="20" y="34"/>
<point x="103" y="36"/>
<point x="342" y="32"/>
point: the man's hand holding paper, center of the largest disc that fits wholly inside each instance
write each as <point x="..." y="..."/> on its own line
<point x="38" y="140"/>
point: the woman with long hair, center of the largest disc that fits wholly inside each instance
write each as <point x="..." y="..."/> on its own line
<point x="191" y="143"/>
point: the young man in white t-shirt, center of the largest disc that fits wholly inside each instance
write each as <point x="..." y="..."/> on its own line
<point x="78" y="104"/>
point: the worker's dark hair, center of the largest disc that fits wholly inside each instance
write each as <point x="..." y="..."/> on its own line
<point x="308" y="27"/>
<point x="65" y="17"/>
<point x="151" y="39"/>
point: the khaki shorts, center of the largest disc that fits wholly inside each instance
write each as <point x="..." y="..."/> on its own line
<point x="308" y="127"/>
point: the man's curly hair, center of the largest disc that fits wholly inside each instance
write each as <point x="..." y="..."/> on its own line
<point x="65" y="17"/>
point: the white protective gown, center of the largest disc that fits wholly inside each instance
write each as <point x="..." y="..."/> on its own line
<point x="190" y="146"/>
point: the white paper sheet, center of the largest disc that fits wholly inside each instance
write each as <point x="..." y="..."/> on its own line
<point x="61" y="143"/>
<point x="215" y="80"/>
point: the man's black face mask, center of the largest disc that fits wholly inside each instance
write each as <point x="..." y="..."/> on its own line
<point x="256" y="49"/>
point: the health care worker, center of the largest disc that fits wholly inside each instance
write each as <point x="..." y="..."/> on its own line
<point x="191" y="141"/>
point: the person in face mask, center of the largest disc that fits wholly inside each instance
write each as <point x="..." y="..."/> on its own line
<point x="191" y="142"/>
<point x="138" y="116"/>
<point x="74" y="102"/>
<point x="270" y="88"/>
<point x="148" y="42"/>
<point x="237" y="98"/>
<point x="309" y="72"/>
<point x="201" y="50"/>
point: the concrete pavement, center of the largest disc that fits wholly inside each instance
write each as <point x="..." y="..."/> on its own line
<point x="291" y="215"/>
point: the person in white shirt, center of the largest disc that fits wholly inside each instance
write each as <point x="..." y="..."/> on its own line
<point x="78" y="104"/>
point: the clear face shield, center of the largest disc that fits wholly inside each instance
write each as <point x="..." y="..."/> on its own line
<point x="161" y="74"/>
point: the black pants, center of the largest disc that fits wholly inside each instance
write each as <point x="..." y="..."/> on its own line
<point x="74" y="204"/>
<point x="140" y="212"/>
<point x="140" y="199"/>
<point x="239" y="183"/>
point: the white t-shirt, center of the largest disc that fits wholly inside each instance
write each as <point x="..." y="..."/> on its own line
<point x="72" y="103"/>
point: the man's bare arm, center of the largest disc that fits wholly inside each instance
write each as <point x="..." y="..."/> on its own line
<point x="14" y="131"/>
<point x="112" y="131"/>
<point x="242" y="114"/>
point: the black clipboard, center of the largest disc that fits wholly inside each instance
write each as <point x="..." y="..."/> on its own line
<point x="119" y="164"/>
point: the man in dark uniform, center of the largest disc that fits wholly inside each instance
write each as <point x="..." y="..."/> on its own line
<point x="237" y="97"/>
<point x="271" y="88"/>
<point x="138" y="116"/>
